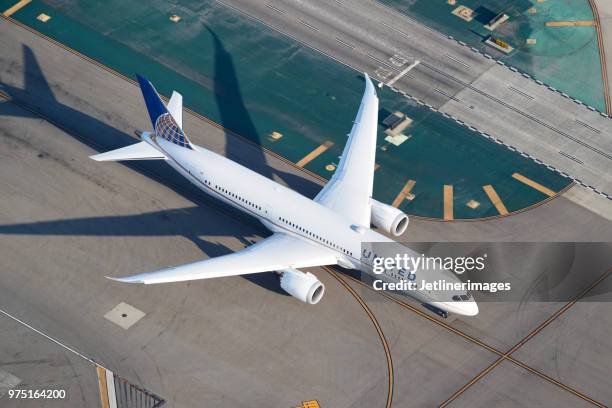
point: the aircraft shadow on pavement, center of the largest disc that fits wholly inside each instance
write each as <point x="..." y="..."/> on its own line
<point x="38" y="97"/>
<point x="175" y="222"/>
<point x="235" y="115"/>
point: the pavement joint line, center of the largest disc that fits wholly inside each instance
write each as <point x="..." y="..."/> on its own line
<point x="275" y="155"/>
<point x="16" y="7"/>
<point x="522" y="342"/>
<point x="474" y="340"/>
<point x="377" y="326"/>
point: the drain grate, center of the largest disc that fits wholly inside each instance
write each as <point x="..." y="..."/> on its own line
<point x="129" y="395"/>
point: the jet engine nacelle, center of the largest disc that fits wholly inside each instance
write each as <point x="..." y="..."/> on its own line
<point x="389" y="218"/>
<point x="303" y="286"/>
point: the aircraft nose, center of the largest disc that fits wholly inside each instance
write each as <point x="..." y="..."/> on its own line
<point x="464" y="308"/>
<point x="469" y="308"/>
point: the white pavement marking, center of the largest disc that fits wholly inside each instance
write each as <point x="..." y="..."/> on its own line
<point x="59" y="343"/>
<point x="402" y="73"/>
<point x="110" y="386"/>
<point x="124" y="315"/>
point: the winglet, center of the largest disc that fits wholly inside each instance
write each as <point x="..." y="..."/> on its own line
<point x="369" y="85"/>
<point x="127" y="279"/>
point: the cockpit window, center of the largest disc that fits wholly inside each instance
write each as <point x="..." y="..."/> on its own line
<point x="460" y="298"/>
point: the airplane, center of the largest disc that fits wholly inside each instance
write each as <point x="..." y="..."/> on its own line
<point x="327" y="230"/>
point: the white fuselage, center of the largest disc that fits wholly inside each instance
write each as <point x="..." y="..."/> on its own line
<point x="281" y="209"/>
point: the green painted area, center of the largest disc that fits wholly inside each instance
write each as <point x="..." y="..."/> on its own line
<point x="566" y="58"/>
<point x="255" y="81"/>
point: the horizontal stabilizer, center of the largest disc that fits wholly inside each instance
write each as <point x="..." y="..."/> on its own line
<point x="138" y="151"/>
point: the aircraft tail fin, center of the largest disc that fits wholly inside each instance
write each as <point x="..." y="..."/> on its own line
<point x="155" y="106"/>
<point x="167" y="121"/>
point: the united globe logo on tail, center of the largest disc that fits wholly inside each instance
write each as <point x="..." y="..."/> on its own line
<point x="166" y="128"/>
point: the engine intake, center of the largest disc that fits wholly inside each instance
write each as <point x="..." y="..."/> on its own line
<point x="303" y="286"/>
<point x="389" y="218"/>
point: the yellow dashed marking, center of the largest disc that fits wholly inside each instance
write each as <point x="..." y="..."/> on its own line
<point x="580" y="23"/>
<point x="448" y="202"/>
<point x="403" y="194"/>
<point x="494" y="197"/>
<point x="309" y="404"/>
<point x="316" y="152"/>
<point x="534" y="185"/>
<point x="16" y="7"/>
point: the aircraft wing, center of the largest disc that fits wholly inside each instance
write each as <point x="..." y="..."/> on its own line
<point x="350" y="188"/>
<point x="277" y="252"/>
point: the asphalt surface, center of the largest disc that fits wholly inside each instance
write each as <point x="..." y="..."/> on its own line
<point x="451" y="78"/>
<point x="39" y="364"/>
<point x="66" y="222"/>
